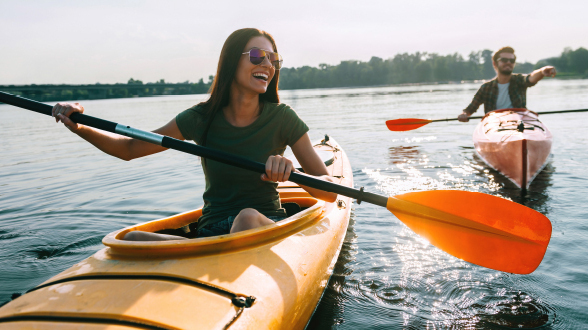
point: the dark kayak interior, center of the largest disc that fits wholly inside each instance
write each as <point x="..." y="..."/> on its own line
<point x="189" y="231"/>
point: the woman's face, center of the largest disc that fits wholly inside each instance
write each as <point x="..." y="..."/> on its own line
<point x="255" y="78"/>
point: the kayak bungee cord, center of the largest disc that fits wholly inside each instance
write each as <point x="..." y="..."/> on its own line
<point x="240" y="301"/>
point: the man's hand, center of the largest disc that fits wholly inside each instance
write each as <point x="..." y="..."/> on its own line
<point x="463" y="117"/>
<point x="548" y="71"/>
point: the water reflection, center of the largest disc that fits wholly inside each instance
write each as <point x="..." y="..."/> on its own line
<point x="535" y="197"/>
<point x="407" y="278"/>
<point x="329" y="312"/>
<point x="516" y="310"/>
<point x="401" y="154"/>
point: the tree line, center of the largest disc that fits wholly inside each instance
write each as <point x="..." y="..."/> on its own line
<point x="400" y="69"/>
<point x="569" y="63"/>
<point x="421" y="68"/>
<point x="133" y="88"/>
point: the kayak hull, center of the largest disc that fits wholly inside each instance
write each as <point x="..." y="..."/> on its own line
<point x="281" y="270"/>
<point x="515" y="143"/>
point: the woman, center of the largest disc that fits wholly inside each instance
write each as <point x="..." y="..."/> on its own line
<point x="243" y="116"/>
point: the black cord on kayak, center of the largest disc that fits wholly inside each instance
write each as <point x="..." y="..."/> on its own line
<point x="243" y="301"/>
<point x="359" y="199"/>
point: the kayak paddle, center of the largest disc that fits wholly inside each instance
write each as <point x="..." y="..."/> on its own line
<point x="482" y="229"/>
<point x="409" y="124"/>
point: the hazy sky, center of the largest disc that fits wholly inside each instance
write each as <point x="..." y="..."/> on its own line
<point x="111" y="41"/>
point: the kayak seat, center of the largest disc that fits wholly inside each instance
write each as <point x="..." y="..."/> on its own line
<point x="291" y="208"/>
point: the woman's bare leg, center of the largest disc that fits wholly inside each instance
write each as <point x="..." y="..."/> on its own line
<point x="248" y="219"/>
<point x="138" y="235"/>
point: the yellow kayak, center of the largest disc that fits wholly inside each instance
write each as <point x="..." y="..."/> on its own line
<point x="270" y="277"/>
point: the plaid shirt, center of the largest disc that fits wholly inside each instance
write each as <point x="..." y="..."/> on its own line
<point x="488" y="94"/>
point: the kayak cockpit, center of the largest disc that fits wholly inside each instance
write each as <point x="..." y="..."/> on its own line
<point x="312" y="210"/>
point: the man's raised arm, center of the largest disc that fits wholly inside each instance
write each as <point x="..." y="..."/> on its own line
<point x="546" y="71"/>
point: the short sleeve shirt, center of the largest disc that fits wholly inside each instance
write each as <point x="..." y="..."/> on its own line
<point x="230" y="189"/>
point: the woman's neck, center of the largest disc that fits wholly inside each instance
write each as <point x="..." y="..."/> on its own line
<point x="243" y="108"/>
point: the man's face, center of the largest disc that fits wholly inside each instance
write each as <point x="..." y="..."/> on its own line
<point x="505" y="63"/>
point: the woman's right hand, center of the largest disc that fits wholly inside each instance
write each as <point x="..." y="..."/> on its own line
<point x="277" y="169"/>
<point x="62" y="111"/>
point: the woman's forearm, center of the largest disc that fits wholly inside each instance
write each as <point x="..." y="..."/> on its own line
<point x="116" y="145"/>
<point x="326" y="196"/>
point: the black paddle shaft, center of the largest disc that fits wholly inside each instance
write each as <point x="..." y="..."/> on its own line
<point x="538" y="113"/>
<point x="194" y="149"/>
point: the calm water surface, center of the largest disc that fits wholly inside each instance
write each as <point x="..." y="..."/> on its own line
<point x="59" y="196"/>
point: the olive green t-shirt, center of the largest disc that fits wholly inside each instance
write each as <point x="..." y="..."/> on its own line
<point x="230" y="189"/>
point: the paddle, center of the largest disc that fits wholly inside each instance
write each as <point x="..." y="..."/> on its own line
<point x="408" y="124"/>
<point x="482" y="229"/>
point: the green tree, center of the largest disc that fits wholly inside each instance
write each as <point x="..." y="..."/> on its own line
<point x="578" y="61"/>
<point x="570" y="61"/>
<point x="488" y="69"/>
<point x="134" y="82"/>
<point x="424" y="71"/>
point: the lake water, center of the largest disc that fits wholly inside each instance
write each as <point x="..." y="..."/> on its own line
<point x="59" y="196"/>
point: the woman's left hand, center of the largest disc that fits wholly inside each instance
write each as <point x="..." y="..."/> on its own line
<point x="277" y="169"/>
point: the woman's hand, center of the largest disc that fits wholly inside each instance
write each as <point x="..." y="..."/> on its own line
<point x="62" y="111"/>
<point x="277" y="169"/>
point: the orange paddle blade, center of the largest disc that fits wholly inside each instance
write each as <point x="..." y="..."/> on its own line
<point x="482" y="229"/>
<point x="406" y="124"/>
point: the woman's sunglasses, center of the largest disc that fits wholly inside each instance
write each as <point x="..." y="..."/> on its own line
<point x="506" y="60"/>
<point x="257" y="56"/>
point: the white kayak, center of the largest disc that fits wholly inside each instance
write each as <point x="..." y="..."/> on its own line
<point x="515" y="143"/>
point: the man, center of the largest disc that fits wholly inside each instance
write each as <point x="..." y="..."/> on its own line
<point x="507" y="90"/>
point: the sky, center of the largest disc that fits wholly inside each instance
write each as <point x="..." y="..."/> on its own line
<point x="106" y="41"/>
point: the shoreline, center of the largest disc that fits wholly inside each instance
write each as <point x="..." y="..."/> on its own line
<point x="65" y="92"/>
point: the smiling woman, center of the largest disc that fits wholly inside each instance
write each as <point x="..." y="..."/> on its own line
<point x="243" y="116"/>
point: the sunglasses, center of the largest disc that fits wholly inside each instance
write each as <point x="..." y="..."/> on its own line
<point x="506" y="60"/>
<point x="257" y="56"/>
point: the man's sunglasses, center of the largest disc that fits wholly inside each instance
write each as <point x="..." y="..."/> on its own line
<point x="257" y="56"/>
<point x="506" y="60"/>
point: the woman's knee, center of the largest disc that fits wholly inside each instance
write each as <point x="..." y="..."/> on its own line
<point x="134" y="236"/>
<point x="248" y="215"/>
<point x="248" y="219"/>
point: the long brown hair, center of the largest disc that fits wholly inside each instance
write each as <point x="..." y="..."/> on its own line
<point x="220" y="90"/>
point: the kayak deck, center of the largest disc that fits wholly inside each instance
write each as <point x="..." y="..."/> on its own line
<point x="267" y="277"/>
<point x="515" y="143"/>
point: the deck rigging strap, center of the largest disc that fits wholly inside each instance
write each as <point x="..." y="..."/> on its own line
<point x="249" y="300"/>
<point x="240" y="301"/>
<point x="516" y="125"/>
<point x="90" y="320"/>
